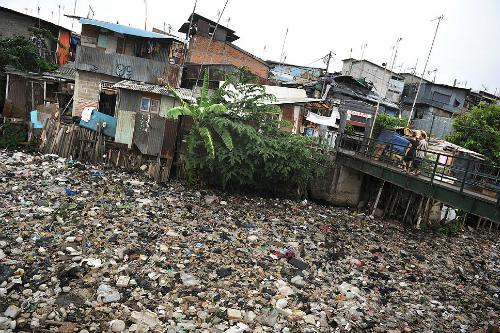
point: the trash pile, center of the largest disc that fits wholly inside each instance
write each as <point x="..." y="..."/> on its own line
<point x="84" y="249"/>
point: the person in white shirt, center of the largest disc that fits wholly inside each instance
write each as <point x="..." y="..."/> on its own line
<point x="420" y="153"/>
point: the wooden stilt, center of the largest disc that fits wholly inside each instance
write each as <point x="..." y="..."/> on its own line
<point x="406" y="210"/>
<point x="417" y="213"/>
<point x="378" y="198"/>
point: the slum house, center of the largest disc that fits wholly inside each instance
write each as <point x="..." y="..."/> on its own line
<point x="13" y="23"/>
<point x="293" y="75"/>
<point x="49" y="93"/>
<point x="433" y="98"/>
<point x="357" y="103"/>
<point x="435" y="106"/>
<point x="411" y="78"/>
<point x="141" y="111"/>
<point x="110" y="53"/>
<point x="387" y="83"/>
<point x="215" y="49"/>
<point x="58" y="51"/>
<point x="294" y="105"/>
<point x="477" y="96"/>
<point x="192" y="75"/>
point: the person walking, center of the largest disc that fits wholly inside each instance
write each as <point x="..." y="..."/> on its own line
<point x="420" y="153"/>
<point x="410" y="154"/>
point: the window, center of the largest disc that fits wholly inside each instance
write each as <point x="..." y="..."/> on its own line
<point x="150" y="104"/>
<point x="154" y="106"/>
<point x="145" y="104"/>
<point x="441" y="98"/>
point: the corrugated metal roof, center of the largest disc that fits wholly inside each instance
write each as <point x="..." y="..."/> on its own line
<point x="285" y="95"/>
<point x="184" y="93"/>
<point x="67" y="71"/>
<point x="123" y="29"/>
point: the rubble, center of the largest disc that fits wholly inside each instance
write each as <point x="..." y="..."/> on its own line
<point x="123" y="254"/>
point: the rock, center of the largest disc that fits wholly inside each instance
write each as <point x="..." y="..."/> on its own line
<point x="239" y="328"/>
<point x="5" y="323"/>
<point x="117" y="325"/>
<point x="123" y="281"/>
<point x="107" y="294"/>
<point x="146" y="318"/>
<point x="281" y="303"/>
<point x="210" y="199"/>
<point x="298" y="281"/>
<point x="234" y="314"/>
<point x="189" y="280"/>
<point x="253" y="238"/>
<point x="12" y="311"/>
<point x="310" y="319"/>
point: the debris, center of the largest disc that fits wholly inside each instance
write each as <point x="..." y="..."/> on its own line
<point x="106" y="294"/>
<point x="126" y="255"/>
<point x="234" y="314"/>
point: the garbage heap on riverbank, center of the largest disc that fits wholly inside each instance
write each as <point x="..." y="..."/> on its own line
<point x="89" y="250"/>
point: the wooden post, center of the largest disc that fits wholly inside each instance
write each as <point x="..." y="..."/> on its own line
<point x="388" y="203"/>
<point x="377" y="199"/>
<point x="417" y="214"/>
<point x="394" y="201"/>
<point x="406" y="210"/>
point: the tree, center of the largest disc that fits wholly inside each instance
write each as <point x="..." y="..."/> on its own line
<point x="479" y="130"/>
<point x="20" y="53"/>
<point x="236" y="142"/>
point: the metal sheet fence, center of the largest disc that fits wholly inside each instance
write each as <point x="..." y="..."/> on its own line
<point x="439" y="127"/>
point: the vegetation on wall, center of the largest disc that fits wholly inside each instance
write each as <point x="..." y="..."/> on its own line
<point x="387" y="121"/>
<point x="20" y="52"/>
<point x="236" y="142"/>
<point x="479" y="130"/>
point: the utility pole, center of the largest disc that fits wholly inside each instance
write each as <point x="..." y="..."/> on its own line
<point x="425" y="67"/>
<point x="145" y="14"/>
<point x="377" y="108"/>
<point x="283" y="56"/>
<point x="329" y="57"/>
<point x="396" y="52"/>
<point x="74" y="13"/>
<point x="378" y="105"/>
<point x="59" y="15"/>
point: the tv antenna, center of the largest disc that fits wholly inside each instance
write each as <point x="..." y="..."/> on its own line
<point x="433" y="71"/>
<point x="90" y="11"/>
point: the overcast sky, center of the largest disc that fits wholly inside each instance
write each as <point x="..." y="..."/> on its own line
<point x="467" y="47"/>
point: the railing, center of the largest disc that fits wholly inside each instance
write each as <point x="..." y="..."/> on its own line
<point x="464" y="173"/>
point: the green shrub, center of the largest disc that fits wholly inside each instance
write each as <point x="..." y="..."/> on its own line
<point x="236" y="142"/>
<point x="387" y="121"/>
<point x="13" y="135"/>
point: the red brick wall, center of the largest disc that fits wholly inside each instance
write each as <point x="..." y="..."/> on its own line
<point x="223" y="53"/>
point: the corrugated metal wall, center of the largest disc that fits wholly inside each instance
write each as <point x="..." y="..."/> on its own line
<point x="155" y="135"/>
<point x="166" y="104"/>
<point x="169" y="139"/>
<point x="436" y="126"/>
<point x="129" y="100"/>
<point x="125" y="127"/>
<point x="125" y="66"/>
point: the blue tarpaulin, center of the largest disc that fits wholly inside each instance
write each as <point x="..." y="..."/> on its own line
<point x="106" y="122"/>
<point x="388" y="137"/>
<point x="34" y="119"/>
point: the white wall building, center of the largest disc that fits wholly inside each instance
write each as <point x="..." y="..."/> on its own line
<point x="390" y="85"/>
